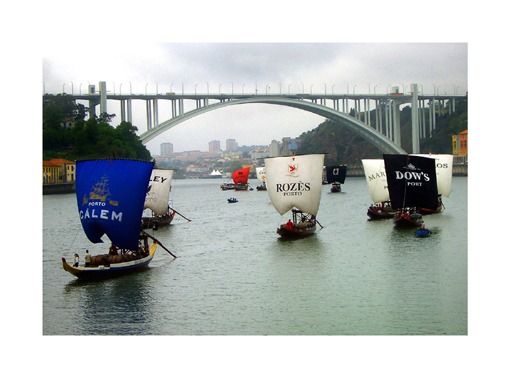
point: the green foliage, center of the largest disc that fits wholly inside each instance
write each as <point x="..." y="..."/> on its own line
<point x="340" y="145"/>
<point x="235" y="165"/>
<point x="86" y="139"/>
<point x="343" y="146"/>
<point x="447" y="125"/>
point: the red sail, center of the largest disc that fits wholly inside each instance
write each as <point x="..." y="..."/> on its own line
<point x="241" y="176"/>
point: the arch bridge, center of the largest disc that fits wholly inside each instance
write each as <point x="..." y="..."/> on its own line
<point x="385" y="135"/>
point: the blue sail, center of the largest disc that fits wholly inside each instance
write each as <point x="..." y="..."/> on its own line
<point x="111" y="196"/>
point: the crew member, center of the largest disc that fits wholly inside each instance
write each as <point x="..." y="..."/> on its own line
<point x="87" y="258"/>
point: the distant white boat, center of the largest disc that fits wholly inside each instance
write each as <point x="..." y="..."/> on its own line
<point x="261" y="176"/>
<point x="215" y="174"/>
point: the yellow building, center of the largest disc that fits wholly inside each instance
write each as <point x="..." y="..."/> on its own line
<point x="460" y="147"/>
<point x="58" y="171"/>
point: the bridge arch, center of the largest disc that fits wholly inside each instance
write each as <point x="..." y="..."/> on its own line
<point x="377" y="139"/>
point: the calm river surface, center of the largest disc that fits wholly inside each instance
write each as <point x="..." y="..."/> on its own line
<point x="234" y="276"/>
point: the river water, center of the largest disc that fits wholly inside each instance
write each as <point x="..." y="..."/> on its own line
<point x="234" y="276"/>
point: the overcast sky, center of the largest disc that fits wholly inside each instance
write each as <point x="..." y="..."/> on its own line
<point x="249" y="67"/>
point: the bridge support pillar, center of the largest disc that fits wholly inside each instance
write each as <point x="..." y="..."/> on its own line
<point x="102" y="93"/>
<point x="396" y="123"/>
<point x="129" y="112"/>
<point x="92" y="103"/>
<point x="415" y="121"/>
<point x="174" y="108"/>
<point x="148" y="108"/>
<point x="155" y="113"/>
<point x="389" y="127"/>
<point x="122" y="110"/>
<point x="367" y="111"/>
<point x="181" y="106"/>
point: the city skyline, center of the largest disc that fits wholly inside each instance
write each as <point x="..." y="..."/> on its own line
<point x="164" y="145"/>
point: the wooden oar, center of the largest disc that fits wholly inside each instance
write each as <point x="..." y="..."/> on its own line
<point x="157" y="241"/>
<point x="189" y="220"/>
<point x="319" y="223"/>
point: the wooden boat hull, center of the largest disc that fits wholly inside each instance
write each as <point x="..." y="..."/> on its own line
<point x="228" y="186"/>
<point x="112" y="270"/>
<point x="157" y="221"/>
<point x="414" y="220"/>
<point x="425" y="211"/>
<point x="382" y="214"/>
<point x="336" y="188"/>
<point x="296" y="232"/>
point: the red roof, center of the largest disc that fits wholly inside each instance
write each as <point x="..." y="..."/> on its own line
<point x="56" y="162"/>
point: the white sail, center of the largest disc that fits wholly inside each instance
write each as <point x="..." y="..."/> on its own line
<point x="375" y="175"/>
<point x="158" y="192"/>
<point x="444" y="171"/>
<point x="215" y="173"/>
<point x="295" y="181"/>
<point x="261" y="174"/>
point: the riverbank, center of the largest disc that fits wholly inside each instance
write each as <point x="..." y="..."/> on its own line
<point x="457" y="170"/>
<point x="68" y="187"/>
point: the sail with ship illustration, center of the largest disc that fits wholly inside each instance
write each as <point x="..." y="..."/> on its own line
<point x="110" y="196"/>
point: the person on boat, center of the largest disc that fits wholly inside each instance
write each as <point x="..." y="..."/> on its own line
<point x="140" y="249"/>
<point x="422" y="226"/>
<point x="289" y="225"/>
<point x="76" y="260"/>
<point x="87" y="258"/>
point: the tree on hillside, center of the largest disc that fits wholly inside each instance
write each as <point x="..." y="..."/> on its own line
<point x="61" y="108"/>
<point x="440" y="142"/>
<point x="341" y="145"/>
<point x="66" y="133"/>
<point x="235" y="165"/>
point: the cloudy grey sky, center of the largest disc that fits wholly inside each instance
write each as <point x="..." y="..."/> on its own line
<point x="249" y="67"/>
